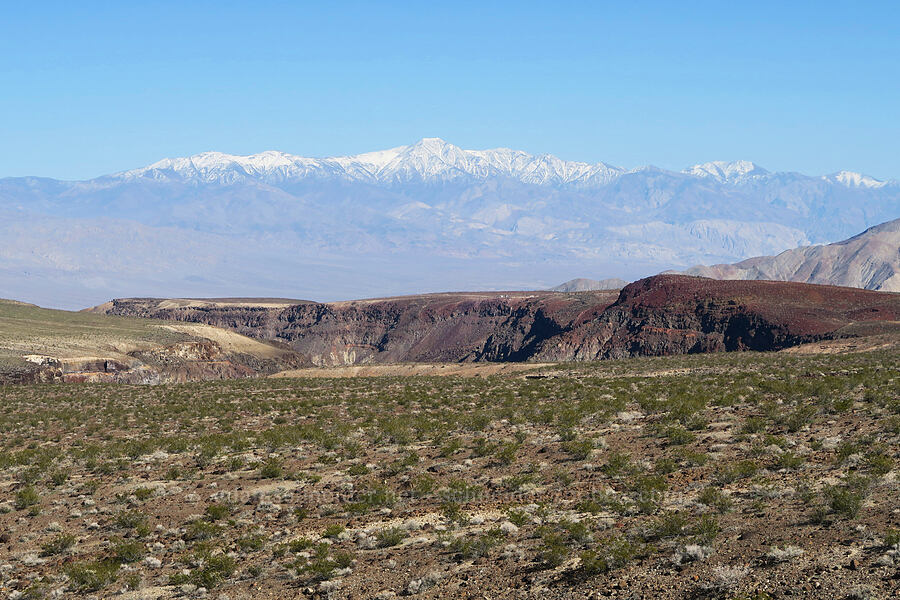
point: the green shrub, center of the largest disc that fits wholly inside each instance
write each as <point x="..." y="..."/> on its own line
<point x="846" y="500"/>
<point x="789" y="460"/>
<point x="611" y="553"/>
<point x="506" y="455"/>
<point x="554" y="549"/>
<point x="732" y="472"/>
<point x="27" y="497"/>
<point x="715" y="498"/>
<point x="59" y="544"/>
<point x="271" y="469"/>
<point x="129" y="519"/>
<point x="579" y="449"/>
<point x="201" y="530"/>
<point x="358" y="469"/>
<point x="92" y="576"/>
<point x="218" y="511"/>
<point x="251" y="542"/>
<point x="334" y="530"/>
<point x="391" y="536"/>
<point x="128" y="551"/>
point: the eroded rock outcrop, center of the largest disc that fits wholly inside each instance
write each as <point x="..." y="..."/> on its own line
<point x="661" y="315"/>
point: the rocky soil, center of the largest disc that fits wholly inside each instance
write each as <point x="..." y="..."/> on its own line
<point x="735" y="476"/>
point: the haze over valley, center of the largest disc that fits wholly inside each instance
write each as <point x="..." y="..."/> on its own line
<point x="420" y="218"/>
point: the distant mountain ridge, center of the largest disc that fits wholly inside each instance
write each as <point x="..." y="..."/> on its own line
<point x="870" y="260"/>
<point x="425" y="217"/>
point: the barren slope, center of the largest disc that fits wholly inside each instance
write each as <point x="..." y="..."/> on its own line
<point x="870" y="260"/>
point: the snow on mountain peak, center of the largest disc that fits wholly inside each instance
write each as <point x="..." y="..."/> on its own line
<point x="726" y="171"/>
<point x="428" y="160"/>
<point x="434" y="160"/>
<point x="851" y="179"/>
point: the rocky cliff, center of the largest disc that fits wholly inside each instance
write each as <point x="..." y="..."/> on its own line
<point x="665" y="314"/>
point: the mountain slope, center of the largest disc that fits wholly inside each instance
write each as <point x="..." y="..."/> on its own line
<point x="425" y="217"/>
<point x="870" y="260"/>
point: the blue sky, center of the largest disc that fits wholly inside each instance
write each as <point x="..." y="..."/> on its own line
<point x="88" y="88"/>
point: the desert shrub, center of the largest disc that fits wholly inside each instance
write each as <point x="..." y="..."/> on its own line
<point x="378" y="496"/>
<point x="878" y="462"/>
<point x="602" y="501"/>
<point x="422" y="485"/>
<point x="579" y="449"/>
<point x="515" y="482"/>
<point x="664" y="466"/>
<point x="212" y="570"/>
<point x="554" y="549"/>
<point x="469" y="547"/>
<point x="27" y="497"/>
<point x="218" y="511"/>
<point x="251" y="542"/>
<point x="648" y="491"/>
<point x="781" y="555"/>
<point x="705" y="529"/>
<point x="271" y="469"/>
<point x="453" y="512"/>
<point x="754" y="425"/>
<point x="129" y="519"/>
<point x="390" y="537"/>
<point x="59" y="544"/>
<point x="142" y="493"/>
<point x="789" y="460"/>
<point x="517" y="517"/>
<point x="715" y="498"/>
<point x="667" y="525"/>
<point x="201" y="530"/>
<point x="92" y="576"/>
<point x="800" y="417"/>
<point x="506" y="454"/>
<point x="358" y="469"/>
<point x="128" y="551"/>
<point x="333" y="530"/>
<point x="846" y="500"/>
<point x="891" y="538"/>
<point x="612" y="553"/>
<point x="677" y="435"/>
<point x="617" y="463"/>
<point x="451" y="447"/>
<point x="734" y="471"/>
<point x="459" y="490"/>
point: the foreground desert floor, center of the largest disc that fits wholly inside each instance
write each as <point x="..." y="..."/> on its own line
<point x="739" y="476"/>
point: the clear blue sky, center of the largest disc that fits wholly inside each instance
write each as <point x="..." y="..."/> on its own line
<point x="88" y="88"/>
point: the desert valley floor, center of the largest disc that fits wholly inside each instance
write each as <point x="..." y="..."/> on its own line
<point x="733" y="475"/>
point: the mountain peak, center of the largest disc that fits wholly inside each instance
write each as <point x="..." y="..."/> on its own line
<point x="853" y="179"/>
<point x="726" y="171"/>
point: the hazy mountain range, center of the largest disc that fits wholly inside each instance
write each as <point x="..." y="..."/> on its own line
<point x="425" y="217"/>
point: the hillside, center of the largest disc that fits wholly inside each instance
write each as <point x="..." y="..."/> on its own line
<point x="424" y="217"/>
<point x="870" y="260"/>
<point x="589" y="285"/>
<point x="666" y="314"/>
<point x="38" y="344"/>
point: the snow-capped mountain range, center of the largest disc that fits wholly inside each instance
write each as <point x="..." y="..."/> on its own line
<point x="433" y="160"/>
<point x="425" y="217"/>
